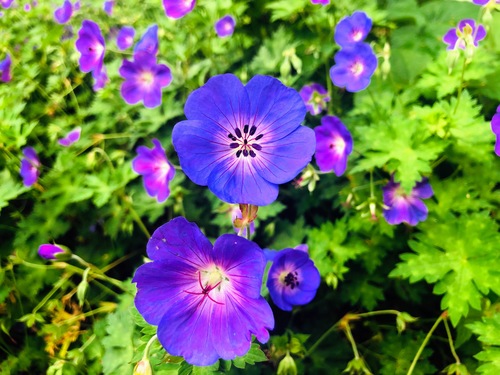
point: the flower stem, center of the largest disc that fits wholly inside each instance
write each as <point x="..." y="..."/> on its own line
<point x="348" y="333"/>
<point x="379" y="312"/>
<point x="148" y="346"/>
<point x="56" y="287"/>
<point x="424" y="343"/>
<point x="460" y="88"/>
<point x="322" y="338"/>
<point x="450" y="341"/>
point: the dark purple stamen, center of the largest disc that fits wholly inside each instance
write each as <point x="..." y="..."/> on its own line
<point x="252" y="154"/>
<point x="259" y="137"/>
<point x="238" y="153"/>
<point x="245" y="129"/>
<point x="244" y="142"/>
<point x="253" y="129"/>
<point x="234" y="145"/>
<point x="238" y="132"/>
<point x="245" y="153"/>
<point x="291" y="280"/>
<point x="257" y="147"/>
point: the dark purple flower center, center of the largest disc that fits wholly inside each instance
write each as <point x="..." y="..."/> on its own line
<point x="291" y="280"/>
<point x="245" y="141"/>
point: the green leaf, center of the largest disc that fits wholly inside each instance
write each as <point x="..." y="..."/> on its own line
<point x="255" y="354"/>
<point x="9" y="188"/>
<point x="488" y="331"/>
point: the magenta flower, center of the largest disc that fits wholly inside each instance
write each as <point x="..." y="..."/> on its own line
<point x="243" y="141"/>
<point x="403" y="207"/>
<point x="322" y="2"/>
<point x="315" y="97"/>
<point x="108" y="7"/>
<point x="27" y="7"/>
<point x="70" y="138"/>
<point x="354" y="67"/>
<point x="237" y="214"/>
<point x="64" y="13"/>
<point x="30" y="166"/>
<point x="225" y="26"/>
<point x="149" y="42"/>
<point x="495" y="127"/>
<point x="204" y="299"/>
<point x="486" y="2"/>
<point x="293" y="278"/>
<point x="352" y="29"/>
<point x="156" y="170"/>
<point x="178" y="8"/>
<point x="466" y="34"/>
<point x="5" y="65"/>
<point x="333" y="145"/>
<point x="90" y="44"/>
<point x="144" y="80"/>
<point x="54" y="252"/>
<point x="6" y="3"/>
<point x="125" y="38"/>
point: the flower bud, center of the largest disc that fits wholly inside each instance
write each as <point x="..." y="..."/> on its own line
<point x="143" y="367"/>
<point x="54" y="252"/>
<point x="287" y="366"/>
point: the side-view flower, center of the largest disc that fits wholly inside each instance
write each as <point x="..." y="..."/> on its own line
<point x="495" y="127"/>
<point x="465" y="35"/>
<point x="64" y="13"/>
<point x="178" y="8"/>
<point x="30" y="166"/>
<point x="5" y="69"/>
<point x="70" y="138"/>
<point x="204" y="299"/>
<point x="90" y="44"/>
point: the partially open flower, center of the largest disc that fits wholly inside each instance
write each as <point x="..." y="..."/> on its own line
<point x="178" y="8"/>
<point x="30" y="166"/>
<point x="315" y="97"/>
<point x="70" y="138"/>
<point x="54" y="252"/>
<point x="225" y="26"/>
<point x="64" y="13"/>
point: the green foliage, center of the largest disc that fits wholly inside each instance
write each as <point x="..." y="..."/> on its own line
<point x="488" y="330"/>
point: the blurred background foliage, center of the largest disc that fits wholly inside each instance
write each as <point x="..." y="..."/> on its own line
<point x="416" y="119"/>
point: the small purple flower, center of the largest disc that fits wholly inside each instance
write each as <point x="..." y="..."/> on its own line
<point x="144" y="80"/>
<point x="64" y="13"/>
<point x="225" y="26"/>
<point x="54" y="252"/>
<point x="403" y="207"/>
<point x="30" y="166"/>
<point x="77" y="5"/>
<point x="293" y="279"/>
<point x="156" y="170"/>
<point x="486" y="2"/>
<point x="70" y="138"/>
<point x="315" y="97"/>
<point x="5" y="69"/>
<point x="27" y="7"/>
<point x="495" y="127"/>
<point x="352" y="29"/>
<point x="149" y="42"/>
<point x="466" y="34"/>
<point x="178" y="8"/>
<point x="6" y="3"/>
<point x="90" y="44"/>
<point x="322" y="2"/>
<point x="237" y="214"/>
<point x="243" y="141"/>
<point x="333" y="145"/>
<point x="100" y="79"/>
<point x="204" y="299"/>
<point x="354" y="67"/>
<point x="125" y="38"/>
<point x="108" y="7"/>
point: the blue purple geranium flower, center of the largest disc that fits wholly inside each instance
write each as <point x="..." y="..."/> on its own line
<point x="70" y="138"/>
<point x="315" y="97"/>
<point x="204" y="299"/>
<point x="5" y="66"/>
<point x="125" y="38"/>
<point x="100" y="78"/>
<point x="64" y="12"/>
<point x="6" y="3"/>
<point x="30" y="166"/>
<point x="108" y="7"/>
<point x="225" y="26"/>
<point x="352" y="29"/>
<point x="333" y="145"/>
<point x="91" y="45"/>
<point x="486" y="2"/>
<point x="236" y="213"/>
<point x="495" y="127"/>
<point x="148" y="42"/>
<point x="466" y="35"/>
<point x="243" y="141"/>
<point x="403" y="207"/>
<point x="322" y="2"/>
<point x="178" y="8"/>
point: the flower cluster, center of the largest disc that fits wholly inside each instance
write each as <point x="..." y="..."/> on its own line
<point x="356" y="62"/>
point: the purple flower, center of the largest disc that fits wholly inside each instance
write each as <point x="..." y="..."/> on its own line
<point x="466" y="34"/>
<point x="64" y="13"/>
<point x="54" y="252"/>
<point x="27" y="7"/>
<point x="403" y="207"/>
<point x="6" y="3"/>
<point x="90" y="44"/>
<point x="178" y="8"/>
<point x="495" y="127"/>
<point x="225" y="26"/>
<point x="125" y="38"/>
<point x="353" y="29"/>
<point x="5" y="69"/>
<point x="108" y="7"/>
<point x="237" y="214"/>
<point x="333" y="145"/>
<point x="322" y="2"/>
<point x="242" y="141"/>
<point x="204" y="299"/>
<point x="70" y="138"/>
<point x="293" y="279"/>
<point x="30" y="166"/>
<point x="144" y="80"/>
<point x="315" y="97"/>
<point x="485" y="2"/>
<point x="77" y="5"/>
<point x="354" y="67"/>
<point x="156" y="170"/>
<point x="148" y="42"/>
<point x="100" y="78"/>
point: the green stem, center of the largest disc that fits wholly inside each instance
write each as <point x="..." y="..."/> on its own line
<point x="49" y="295"/>
<point x="322" y="338"/>
<point x="450" y="341"/>
<point x="424" y="343"/>
<point x="148" y="347"/>
<point x="379" y="312"/>
<point x="348" y="333"/>
<point x="460" y="88"/>
<point x="94" y="272"/>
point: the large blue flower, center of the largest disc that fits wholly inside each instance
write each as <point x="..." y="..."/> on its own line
<point x="204" y="299"/>
<point x="242" y="141"/>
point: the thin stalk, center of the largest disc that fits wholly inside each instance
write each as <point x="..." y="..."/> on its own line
<point x="450" y="341"/>
<point x="322" y="338"/>
<point x="379" y="312"/>
<point x="348" y="333"/>
<point x="49" y="295"/>
<point x="148" y="347"/>
<point x="460" y="88"/>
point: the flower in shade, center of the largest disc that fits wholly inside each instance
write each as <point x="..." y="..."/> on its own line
<point x="54" y="252"/>
<point x="5" y="69"/>
<point x="242" y="141"/>
<point x="322" y="2"/>
<point x="293" y="278"/>
<point x="149" y="42"/>
<point x="352" y="29"/>
<point x="495" y="127"/>
<point x="144" y="80"/>
<point x="156" y="170"/>
<point x="465" y="36"/>
<point x="354" y="67"/>
<point x="70" y="138"/>
<point x="6" y="3"/>
<point x="237" y="214"/>
<point x="204" y="299"/>
<point x="315" y="97"/>
<point x="108" y="7"/>
<point x="100" y="78"/>
<point x="225" y="26"/>
<point x="30" y="166"/>
<point x="125" y="37"/>
<point x="90" y="44"/>
<point x="64" y="13"/>
<point x="178" y="8"/>
<point x="333" y="145"/>
<point x="403" y="207"/>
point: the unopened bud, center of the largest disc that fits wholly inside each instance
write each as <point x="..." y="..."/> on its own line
<point x="287" y="366"/>
<point x="54" y="252"/>
<point x="143" y="367"/>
